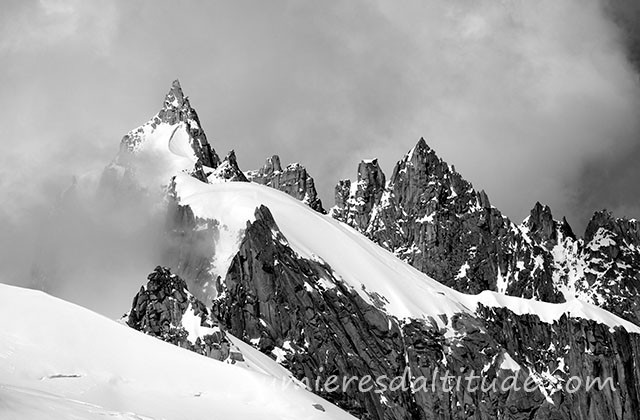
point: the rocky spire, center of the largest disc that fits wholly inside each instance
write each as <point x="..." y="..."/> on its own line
<point x="420" y="149"/>
<point x="341" y="198"/>
<point x="355" y="202"/>
<point x="540" y="223"/>
<point x="413" y="173"/>
<point x="372" y="179"/>
<point x="228" y="170"/>
<point x="628" y="230"/>
<point x="432" y="218"/>
<point x="483" y="200"/>
<point x="272" y="165"/>
<point x="176" y="109"/>
<point x="293" y="180"/>
<point x="173" y="100"/>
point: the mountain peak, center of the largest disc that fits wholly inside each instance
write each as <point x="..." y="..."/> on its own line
<point x="540" y="222"/>
<point x="175" y="98"/>
<point x="422" y="143"/>
<point x="177" y="109"/>
<point x="420" y="149"/>
<point x="272" y="164"/>
<point x="628" y="229"/>
<point x="228" y="170"/>
<point x="370" y="172"/>
<point x="540" y="209"/>
<point x="176" y="130"/>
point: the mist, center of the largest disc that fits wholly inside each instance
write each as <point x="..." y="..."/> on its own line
<point x="93" y="246"/>
<point x="531" y="101"/>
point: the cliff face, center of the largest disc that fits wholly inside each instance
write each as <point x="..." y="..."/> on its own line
<point x="297" y="311"/>
<point x="432" y="218"/>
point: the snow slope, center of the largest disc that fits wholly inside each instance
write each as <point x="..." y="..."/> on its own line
<point x="360" y="263"/>
<point x="157" y="151"/>
<point x="61" y="361"/>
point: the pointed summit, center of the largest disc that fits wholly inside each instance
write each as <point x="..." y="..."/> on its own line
<point x="228" y="170"/>
<point x="173" y="139"/>
<point x="421" y="149"/>
<point x="544" y="228"/>
<point x="175" y="97"/>
<point x="420" y="166"/>
<point x="422" y="144"/>
<point x="176" y="109"/>
<point x="540" y="222"/>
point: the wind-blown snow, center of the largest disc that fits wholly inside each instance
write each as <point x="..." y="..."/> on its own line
<point x="60" y="361"/>
<point x="163" y="151"/>
<point x="360" y="263"/>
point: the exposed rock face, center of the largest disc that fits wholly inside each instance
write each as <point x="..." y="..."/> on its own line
<point x="295" y="310"/>
<point x="607" y="266"/>
<point x="355" y="203"/>
<point x="165" y="309"/>
<point x="228" y="170"/>
<point x="293" y="180"/>
<point x="432" y="218"/>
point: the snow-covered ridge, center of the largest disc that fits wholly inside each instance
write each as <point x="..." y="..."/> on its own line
<point x="61" y="361"/>
<point x="360" y="263"/>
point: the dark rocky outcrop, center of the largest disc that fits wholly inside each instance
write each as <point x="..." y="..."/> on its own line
<point x="432" y="218"/>
<point x="293" y="307"/>
<point x="228" y="170"/>
<point x="609" y="261"/>
<point x="165" y="309"/>
<point x="295" y="310"/>
<point x="293" y="180"/>
<point x="356" y="207"/>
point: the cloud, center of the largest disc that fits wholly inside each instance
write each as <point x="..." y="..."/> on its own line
<point x="530" y="100"/>
<point x="520" y="95"/>
<point x="31" y="26"/>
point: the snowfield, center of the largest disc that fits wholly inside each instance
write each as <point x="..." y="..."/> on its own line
<point x="61" y="361"/>
<point x="368" y="268"/>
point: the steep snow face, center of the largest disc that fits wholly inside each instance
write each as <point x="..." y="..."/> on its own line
<point x="159" y="151"/>
<point x="376" y="274"/>
<point x="61" y="361"/>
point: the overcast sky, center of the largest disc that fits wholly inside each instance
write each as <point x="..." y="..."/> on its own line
<point x="531" y="100"/>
